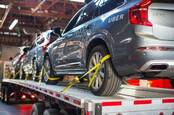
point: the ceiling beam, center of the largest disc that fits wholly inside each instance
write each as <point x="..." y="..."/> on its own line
<point x="52" y="4"/>
<point x="44" y="14"/>
<point x="38" y="6"/>
<point x="35" y="3"/>
<point x="5" y="15"/>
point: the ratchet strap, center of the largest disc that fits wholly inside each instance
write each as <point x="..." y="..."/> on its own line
<point x="96" y="68"/>
<point x="43" y="72"/>
<point x="50" y="77"/>
<point x="15" y="74"/>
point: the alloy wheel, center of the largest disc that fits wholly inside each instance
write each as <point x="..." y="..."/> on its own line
<point x="97" y="83"/>
<point x="34" y="70"/>
<point x="47" y="69"/>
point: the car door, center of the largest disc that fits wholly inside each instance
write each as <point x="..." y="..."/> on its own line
<point x="55" y="50"/>
<point x="30" y="55"/>
<point x="58" y="53"/>
<point x="75" y="45"/>
<point x="39" y="50"/>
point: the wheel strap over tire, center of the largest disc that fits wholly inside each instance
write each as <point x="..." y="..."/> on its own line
<point x="15" y="74"/>
<point x="51" y="78"/>
<point x="96" y="68"/>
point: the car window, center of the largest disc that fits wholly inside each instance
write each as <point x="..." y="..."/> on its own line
<point x="72" y="23"/>
<point x="163" y="1"/>
<point x="108" y="5"/>
<point x="33" y="46"/>
<point x="40" y="41"/>
<point x="87" y="14"/>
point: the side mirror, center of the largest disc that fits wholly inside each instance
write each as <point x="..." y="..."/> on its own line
<point x="57" y="31"/>
<point x="10" y="58"/>
<point x="26" y="49"/>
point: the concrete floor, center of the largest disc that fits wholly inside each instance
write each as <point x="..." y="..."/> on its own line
<point x="23" y="109"/>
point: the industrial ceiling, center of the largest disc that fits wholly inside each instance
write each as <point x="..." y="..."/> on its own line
<point x="32" y="16"/>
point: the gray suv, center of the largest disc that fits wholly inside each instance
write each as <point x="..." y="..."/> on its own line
<point x="34" y="59"/>
<point x="138" y="34"/>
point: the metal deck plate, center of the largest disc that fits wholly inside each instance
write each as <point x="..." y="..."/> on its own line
<point x="125" y="93"/>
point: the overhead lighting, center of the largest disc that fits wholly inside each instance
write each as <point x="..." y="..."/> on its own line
<point x="3" y="6"/>
<point x="78" y="1"/>
<point x="13" y="24"/>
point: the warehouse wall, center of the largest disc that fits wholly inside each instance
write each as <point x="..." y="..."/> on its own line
<point x="7" y="51"/>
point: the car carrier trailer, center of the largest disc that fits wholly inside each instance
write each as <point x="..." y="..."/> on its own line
<point x="130" y="100"/>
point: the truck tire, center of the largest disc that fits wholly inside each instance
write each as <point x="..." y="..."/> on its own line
<point x="38" y="109"/>
<point x="51" y="112"/>
<point x="107" y="82"/>
<point x="49" y="71"/>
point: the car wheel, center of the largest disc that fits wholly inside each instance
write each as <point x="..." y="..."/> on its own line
<point x="35" y="72"/>
<point x="48" y="72"/>
<point x="107" y="82"/>
<point x="21" y="74"/>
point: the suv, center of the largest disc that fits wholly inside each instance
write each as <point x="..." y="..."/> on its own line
<point x="138" y="34"/>
<point x="17" y="61"/>
<point x="33" y="62"/>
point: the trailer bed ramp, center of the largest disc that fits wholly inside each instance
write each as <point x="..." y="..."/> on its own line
<point x="130" y="100"/>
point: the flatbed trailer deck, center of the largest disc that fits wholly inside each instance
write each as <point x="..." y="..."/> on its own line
<point x="130" y="100"/>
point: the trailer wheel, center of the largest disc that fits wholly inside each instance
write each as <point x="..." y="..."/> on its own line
<point x="38" y="109"/>
<point x="107" y="82"/>
<point x="51" y="112"/>
<point x="48" y="72"/>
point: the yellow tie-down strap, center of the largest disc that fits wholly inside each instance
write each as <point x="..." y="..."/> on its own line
<point x="43" y="72"/>
<point x="15" y="75"/>
<point x="96" y="68"/>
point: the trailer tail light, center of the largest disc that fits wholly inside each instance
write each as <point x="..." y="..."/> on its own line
<point x="138" y="14"/>
<point x="161" y="113"/>
<point x="33" y="96"/>
<point x="23" y="97"/>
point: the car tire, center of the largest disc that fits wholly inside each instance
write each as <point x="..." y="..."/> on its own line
<point x="51" y="112"/>
<point x="38" y="109"/>
<point x="107" y="82"/>
<point x="35" y="71"/>
<point x="22" y="74"/>
<point x="49" y="71"/>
